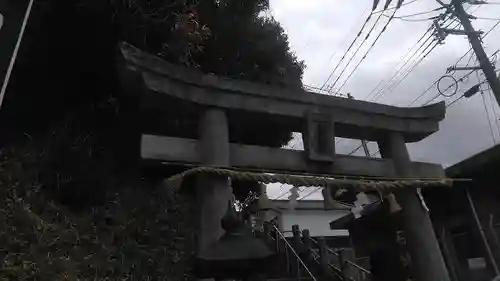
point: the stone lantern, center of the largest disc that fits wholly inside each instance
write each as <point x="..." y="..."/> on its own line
<point x="237" y="254"/>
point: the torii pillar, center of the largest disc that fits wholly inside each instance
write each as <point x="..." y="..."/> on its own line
<point x="212" y="192"/>
<point x="427" y="263"/>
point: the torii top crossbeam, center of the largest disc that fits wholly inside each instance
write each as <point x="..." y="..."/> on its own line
<point x="166" y="87"/>
<point x="352" y="118"/>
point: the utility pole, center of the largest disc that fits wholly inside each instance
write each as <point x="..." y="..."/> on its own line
<point x="475" y="41"/>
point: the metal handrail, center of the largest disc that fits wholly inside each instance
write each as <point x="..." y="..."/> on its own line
<point x="336" y="270"/>
<point x="347" y="261"/>
<point x="333" y="252"/>
<point x="359" y="267"/>
<point x="294" y="252"/>
<point x="316" y="256"/>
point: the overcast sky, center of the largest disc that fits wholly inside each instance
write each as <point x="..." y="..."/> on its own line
<point x="320" y="32"/>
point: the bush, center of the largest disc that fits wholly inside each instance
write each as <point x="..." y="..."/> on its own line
<point x="141" y="232"/>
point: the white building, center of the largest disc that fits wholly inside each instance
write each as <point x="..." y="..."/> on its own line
<point x="308" y="214"/>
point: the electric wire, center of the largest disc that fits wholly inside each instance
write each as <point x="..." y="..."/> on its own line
<point x="458" y="61"/>
<point x="310" y="193"/>
<point x="404" y="77"/>
<point x="482" y="37"/>
<point x="486" y="18"/>
<point x="355" y="52"/>
<point x="337" y="49"/>
<point x="427" y="51"/>
<point x="413" y="20"/>
<point x="434" y="83"/>
<point x="420" y="13"/>
<point x="461" y="79"/>
<point x="411" y="69"/>
<point x="486" y="108"/>
<point x="401" y="60"/>
<point x="449" y="105"/>
<point x="434" y="45"/>
<point x="395" y="7"/>
<point x="428" y="89"/>
<point x="493" y="106"/>
<point x="388" y="84"/>
<point x="369" y="49"/>
<point x="347" y="51"/>
<point x="488" y="117"/>
<point x="453" y="102"/>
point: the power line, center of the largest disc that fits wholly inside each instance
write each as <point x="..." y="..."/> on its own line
<point x="283" y="195"/>
<point x="401" y="60"/>
<point x="413" y="20"/>
<point x="395" y="7"/>
<point x="468" y="74"/>
<point x="428" y="89"/>
<point x="434" y="83"/>
<point x="493" y="106"/>
<point x="488" y="117"/>
<point x="427" y="51"/>
<point x="340" y="44"/>
<point x="421" y="13"/>
<point x="413" y="67"/>
<point x="369" y="49"/>
<point x="407" y="61"/>
<point x="461" y="79"/>
<point x="355" y="150"/>
<point x="486" y="108"/>
<point x="447" y="106"/>
<point x="310" y="193"/>
<point x="486" y="18"/>
<point x="482" y="37"/>
<point x="348" y="49"/>
<point x="417" y="63"/>
<point x="357" y="50"/>
<point x="453" y="102"/>
<point x="461" y="97"/>
<point x="470" y="49"/>
<point x="456" y="63"/>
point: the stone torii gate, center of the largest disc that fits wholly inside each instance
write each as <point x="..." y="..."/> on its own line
<point x="210" y="99"/>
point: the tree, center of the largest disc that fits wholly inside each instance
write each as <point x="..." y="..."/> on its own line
<point x="69" y="51"/>
<point x="66" y="76"/>
<point x="65" y="101"/>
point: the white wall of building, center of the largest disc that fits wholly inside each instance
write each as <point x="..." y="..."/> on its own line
<point x="317" y="221"/>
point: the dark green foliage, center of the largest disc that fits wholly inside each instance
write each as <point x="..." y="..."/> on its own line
<point x="73" y="202"/>
<point x="245" y="46"/>
<point x="67" y="71"/>
<point x="68" y="55"/>
<point x="141" y="231"/>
